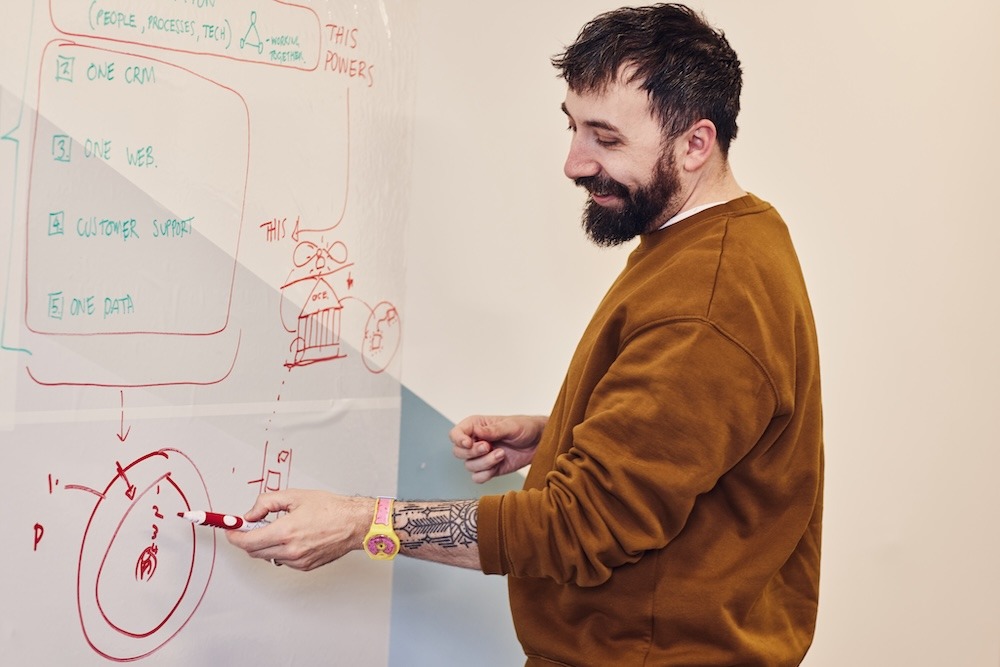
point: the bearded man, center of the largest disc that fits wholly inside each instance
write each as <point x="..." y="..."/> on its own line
<point x="672" y="511"/>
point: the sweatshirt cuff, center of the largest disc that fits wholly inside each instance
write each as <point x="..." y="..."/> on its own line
<point x="489" y="526"/>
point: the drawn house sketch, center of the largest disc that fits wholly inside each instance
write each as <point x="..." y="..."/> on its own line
<point x="318" y="331"/>
<point x="317" y="324"/>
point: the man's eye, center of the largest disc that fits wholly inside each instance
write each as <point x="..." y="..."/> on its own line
<point x="607" y="143"/>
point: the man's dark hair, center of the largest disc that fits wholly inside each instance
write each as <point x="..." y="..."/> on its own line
<point x="685" y="65"/>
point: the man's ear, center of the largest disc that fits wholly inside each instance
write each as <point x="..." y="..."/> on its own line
<point x="697" y="145"/>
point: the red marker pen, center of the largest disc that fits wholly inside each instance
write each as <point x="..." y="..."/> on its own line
<point x="216" y="520"/>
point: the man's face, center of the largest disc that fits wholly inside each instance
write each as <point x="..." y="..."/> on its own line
<point x="617" y="154"/>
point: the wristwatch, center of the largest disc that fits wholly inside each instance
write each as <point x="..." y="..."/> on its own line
<point x="381" y="542"/>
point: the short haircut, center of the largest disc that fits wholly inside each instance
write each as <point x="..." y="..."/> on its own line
<point x="686" y="66"/>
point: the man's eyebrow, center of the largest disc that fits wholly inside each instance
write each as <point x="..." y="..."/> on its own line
<point x="598" y="124"/>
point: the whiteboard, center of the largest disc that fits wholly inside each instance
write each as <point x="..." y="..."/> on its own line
<point x="202" y="207"/>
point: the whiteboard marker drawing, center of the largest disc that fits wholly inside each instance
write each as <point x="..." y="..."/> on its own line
<point x="140" y="579"/>
<point x="275" y="470"/>
<point x="252" y="36"/>
<point x="217" y="520"/>
<point x="317" y="319"/>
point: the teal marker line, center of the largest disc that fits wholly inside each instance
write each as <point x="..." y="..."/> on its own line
<point x="7" y="136"/>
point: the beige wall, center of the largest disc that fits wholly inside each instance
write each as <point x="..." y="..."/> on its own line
<point x="870" y="126"/>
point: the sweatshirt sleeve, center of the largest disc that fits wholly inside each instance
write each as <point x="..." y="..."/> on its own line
<point x="681" y="404"/>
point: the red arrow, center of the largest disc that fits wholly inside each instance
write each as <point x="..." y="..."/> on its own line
<point x="122" y="433"/>
<point x="129" y="488"/>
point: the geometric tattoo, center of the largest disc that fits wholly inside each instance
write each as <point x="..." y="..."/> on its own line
<point x="446" y="523"/>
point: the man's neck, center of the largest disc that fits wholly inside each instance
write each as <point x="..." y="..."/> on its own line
<point x="712" y="186"/>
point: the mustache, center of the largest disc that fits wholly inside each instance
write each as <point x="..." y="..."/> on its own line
<point x="602" y="184"/>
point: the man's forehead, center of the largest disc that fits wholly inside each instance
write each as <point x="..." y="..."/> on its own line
<point x="619" y="104"/>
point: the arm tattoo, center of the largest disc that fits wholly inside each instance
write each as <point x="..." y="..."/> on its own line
<point x="447" y="524"/>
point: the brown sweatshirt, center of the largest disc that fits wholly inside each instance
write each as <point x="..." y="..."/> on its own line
<point x="672" y="512"/>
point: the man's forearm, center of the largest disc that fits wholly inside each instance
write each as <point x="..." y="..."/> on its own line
<point x="444" y="531"/>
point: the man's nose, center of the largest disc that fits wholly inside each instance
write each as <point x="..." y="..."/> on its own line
<point x="579" y="162"/>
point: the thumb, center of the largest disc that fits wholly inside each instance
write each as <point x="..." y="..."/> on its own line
<point x="489" y="431"/>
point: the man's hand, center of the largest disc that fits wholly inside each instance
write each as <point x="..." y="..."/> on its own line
<point x="492" y="446"/>
<point x="319" y="527"/>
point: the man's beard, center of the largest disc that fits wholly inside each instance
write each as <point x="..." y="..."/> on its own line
<point x="639" y="211"/>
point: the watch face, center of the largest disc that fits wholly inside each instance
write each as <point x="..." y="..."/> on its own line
<point x="380" y="546"/>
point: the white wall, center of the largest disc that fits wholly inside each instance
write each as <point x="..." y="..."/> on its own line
<point x="869" y="125"/>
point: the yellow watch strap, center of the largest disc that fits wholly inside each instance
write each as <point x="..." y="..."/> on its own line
<point x="381" y="542"/>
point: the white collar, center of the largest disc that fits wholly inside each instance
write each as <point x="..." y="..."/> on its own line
<point x="688" y="213"/>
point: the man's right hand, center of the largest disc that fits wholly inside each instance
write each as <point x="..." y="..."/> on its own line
<point x="492" y="446"/>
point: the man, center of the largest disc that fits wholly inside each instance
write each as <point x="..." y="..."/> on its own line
<point x="672" y="511"/>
